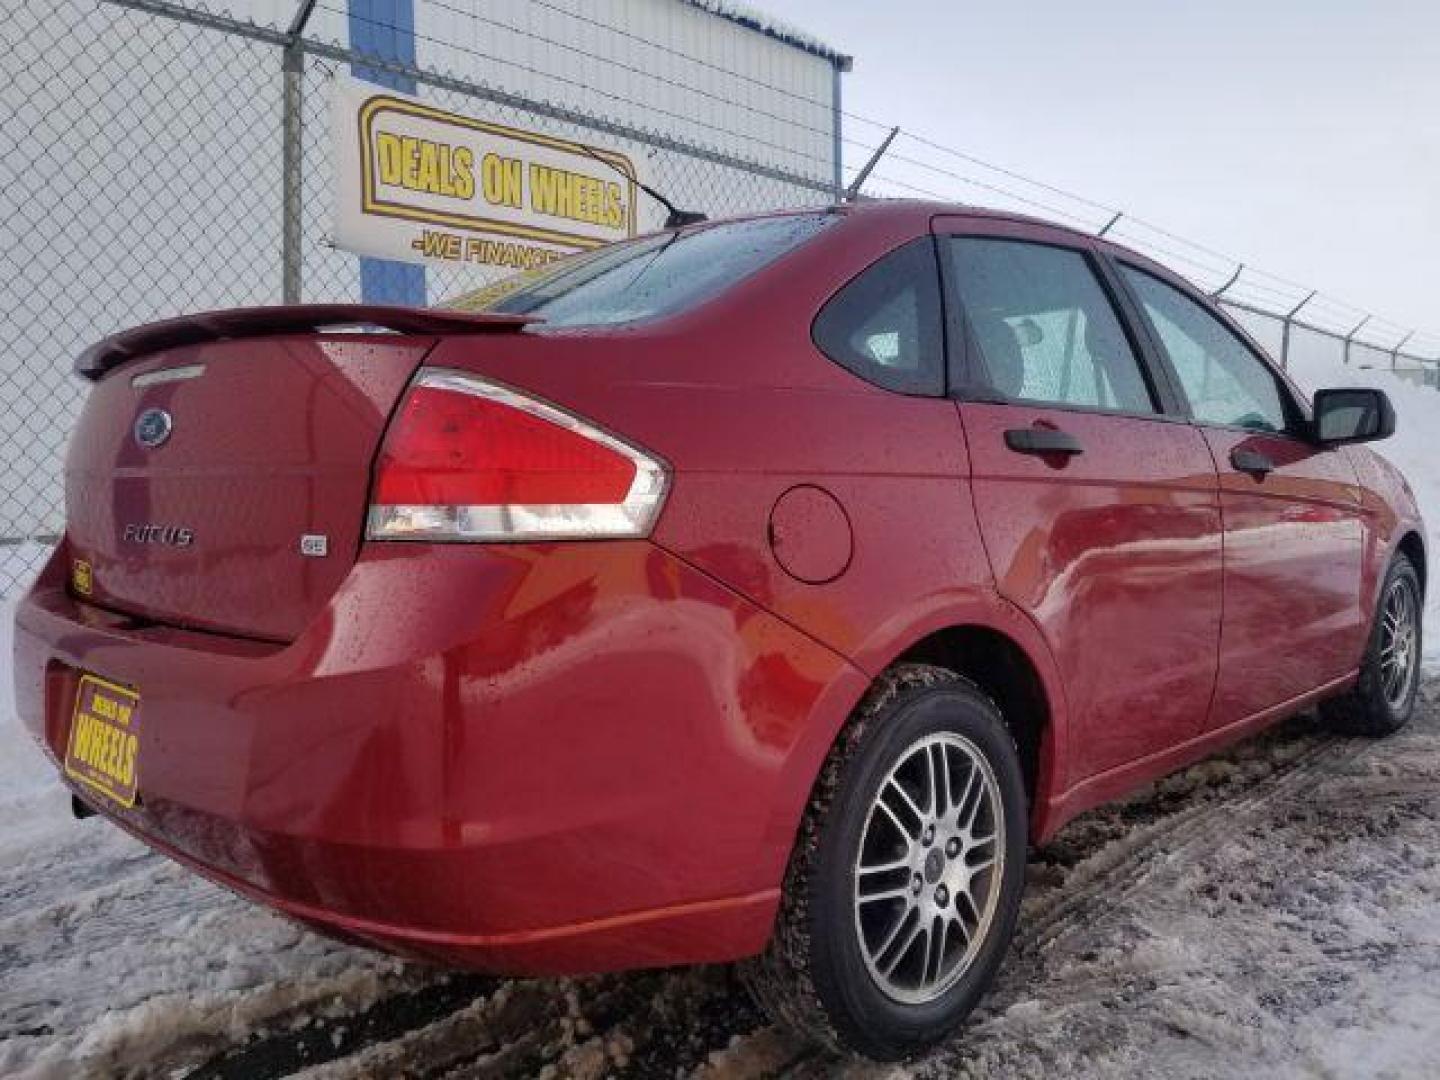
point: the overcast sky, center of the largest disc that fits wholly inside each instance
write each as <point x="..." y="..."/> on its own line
<point x="1302" y="136"/>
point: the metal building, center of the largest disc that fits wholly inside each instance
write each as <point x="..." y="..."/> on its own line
<point x="169" y="156"/>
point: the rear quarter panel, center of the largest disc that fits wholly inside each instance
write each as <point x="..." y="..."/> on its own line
<point x="743" y="407"/>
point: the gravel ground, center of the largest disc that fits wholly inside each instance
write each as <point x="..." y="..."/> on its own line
<point x="1275" y="911"/>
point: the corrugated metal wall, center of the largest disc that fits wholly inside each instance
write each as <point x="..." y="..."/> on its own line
<point x="658" y="64"/>
<point x="143" y="164"/>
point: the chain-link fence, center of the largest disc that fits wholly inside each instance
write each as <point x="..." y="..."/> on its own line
<point x="150" y="161"/>
<point x="161" y="156"/>
<point x="1290" y="320"/>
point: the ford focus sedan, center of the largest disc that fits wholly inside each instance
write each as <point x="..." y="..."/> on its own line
<point x="756" y="591"/>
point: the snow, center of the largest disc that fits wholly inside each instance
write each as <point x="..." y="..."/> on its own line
<point x="763" y="21"/>
<point x="1273" y="911"/>
<point x="112" y="956"/>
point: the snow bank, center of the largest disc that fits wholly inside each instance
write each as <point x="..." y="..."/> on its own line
<point x="1417" y="421"/>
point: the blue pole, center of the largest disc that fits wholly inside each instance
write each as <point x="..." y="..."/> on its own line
<point x="385" y="29"/>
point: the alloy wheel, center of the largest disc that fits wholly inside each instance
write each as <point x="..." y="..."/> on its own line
<point x="929" y="868"/>
<point x="1399" y="641"/>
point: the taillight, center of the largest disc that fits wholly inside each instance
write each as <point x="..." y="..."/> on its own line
<point x="466" y="459"/>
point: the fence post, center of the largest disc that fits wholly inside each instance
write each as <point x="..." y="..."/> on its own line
<point x="838" y="145"/>
<point x="1285" y="335"/>
<point x="853" y="191"/>
<point x="1395" y="352"/>
<point x="1223" y="289"/>
<point x="292" y="151"/>
<point x="1350" y="337"/>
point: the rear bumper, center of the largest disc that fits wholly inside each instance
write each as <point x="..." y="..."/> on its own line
<point x="541" y="759"/>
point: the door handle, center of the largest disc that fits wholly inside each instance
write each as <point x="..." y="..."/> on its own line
<point x="1042" y="440"/>
<point x="1252" y="462"/>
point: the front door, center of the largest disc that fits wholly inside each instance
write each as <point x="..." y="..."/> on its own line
<point x="1098" y="510"/>
<point x="1293" y="531"/>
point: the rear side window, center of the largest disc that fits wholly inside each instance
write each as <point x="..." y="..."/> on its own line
<point x="648" y="278"/>
<point x="1224" y="382"/>
<point x="885" y="324"/>
<point x="1045" y="329"/>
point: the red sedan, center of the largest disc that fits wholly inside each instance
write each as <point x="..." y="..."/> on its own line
<point x="754" y="591"/>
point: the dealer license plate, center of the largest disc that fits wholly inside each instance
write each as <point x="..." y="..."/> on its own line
<point x="105" y="739"/>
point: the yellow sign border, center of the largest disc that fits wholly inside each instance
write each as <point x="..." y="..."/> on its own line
<point x="134" y="699"/>
<point x="371" y="204"/>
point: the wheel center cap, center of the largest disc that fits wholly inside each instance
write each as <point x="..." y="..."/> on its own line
<point x="934" y="866"/>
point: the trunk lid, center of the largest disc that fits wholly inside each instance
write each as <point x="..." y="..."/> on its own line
<point x="219" y="476"/>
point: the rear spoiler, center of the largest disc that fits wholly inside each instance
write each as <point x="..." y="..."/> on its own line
<point x="115" y="350"/>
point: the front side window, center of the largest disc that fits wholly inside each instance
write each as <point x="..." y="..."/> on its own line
<point x="1044" y="328"/>
<point x="648" y="278"/>
<point x="885" y="324"/>
<point x="1224" y="382"/>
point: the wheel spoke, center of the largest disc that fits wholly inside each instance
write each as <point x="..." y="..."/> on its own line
<point x="943" y="937"/>
<point x="894" y="820"/>
<point x="888" y="894"/>
<point x="975" y="801"/>
<point x="986" y="859"/>
<point x="892" y="935"/>
<point x="867" y="869"/>
<point x="964" y="896"/>
<point x="965" y="936"/>
<point x="939" y="780"/>
<point x="927" y="958"/>
<point x="893" y="785"/>
<point x="972" y="783"/>
<point x="915" y="932"/>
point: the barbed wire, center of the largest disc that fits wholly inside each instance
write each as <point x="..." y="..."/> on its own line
<point x="135" y="76"/>
<point x="1280" y="289"/>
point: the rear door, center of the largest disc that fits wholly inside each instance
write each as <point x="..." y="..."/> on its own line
<point x="1097" y="502"/>
<point x="1293" y="618"/>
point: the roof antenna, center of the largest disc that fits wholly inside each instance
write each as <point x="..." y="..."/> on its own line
<point x="677" y="219"/>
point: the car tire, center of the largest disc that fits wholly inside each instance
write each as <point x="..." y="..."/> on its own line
<point x="823" y="973"/>
<point x="1380" y="703"/>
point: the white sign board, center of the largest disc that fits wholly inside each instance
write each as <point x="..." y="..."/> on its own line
<point x="423" y="185"/>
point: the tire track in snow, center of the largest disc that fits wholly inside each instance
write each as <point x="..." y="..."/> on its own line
<point x="739" y="1044"/>
<point x="1291" y="917"/>
<point x="1108" y="869"/>
<point x="1108" y="881"/>
<point x="116" y="960"/>
<point x="307" y="1004"/>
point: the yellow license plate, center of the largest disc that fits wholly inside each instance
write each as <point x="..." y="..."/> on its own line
<point x="105" y="739"/>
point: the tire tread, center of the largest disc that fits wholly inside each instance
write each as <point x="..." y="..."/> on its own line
<point x="1362" y="710"/>
<point x="781" y="979"/>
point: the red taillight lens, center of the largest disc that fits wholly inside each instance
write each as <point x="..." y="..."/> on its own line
<point x="465" y="459"/>
<point x="456" y="449"/>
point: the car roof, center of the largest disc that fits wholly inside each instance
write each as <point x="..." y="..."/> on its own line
<point x="919" y="212"/>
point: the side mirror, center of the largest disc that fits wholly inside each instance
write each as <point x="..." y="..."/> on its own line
<point x="1352" y="415"/>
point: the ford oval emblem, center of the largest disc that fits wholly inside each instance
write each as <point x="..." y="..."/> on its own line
<point x="152" y="427"/>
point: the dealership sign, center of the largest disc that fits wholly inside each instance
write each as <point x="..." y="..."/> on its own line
<point x="428" y="186"/>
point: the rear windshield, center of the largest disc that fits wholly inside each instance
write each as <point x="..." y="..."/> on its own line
<point x="647" y="278"/>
